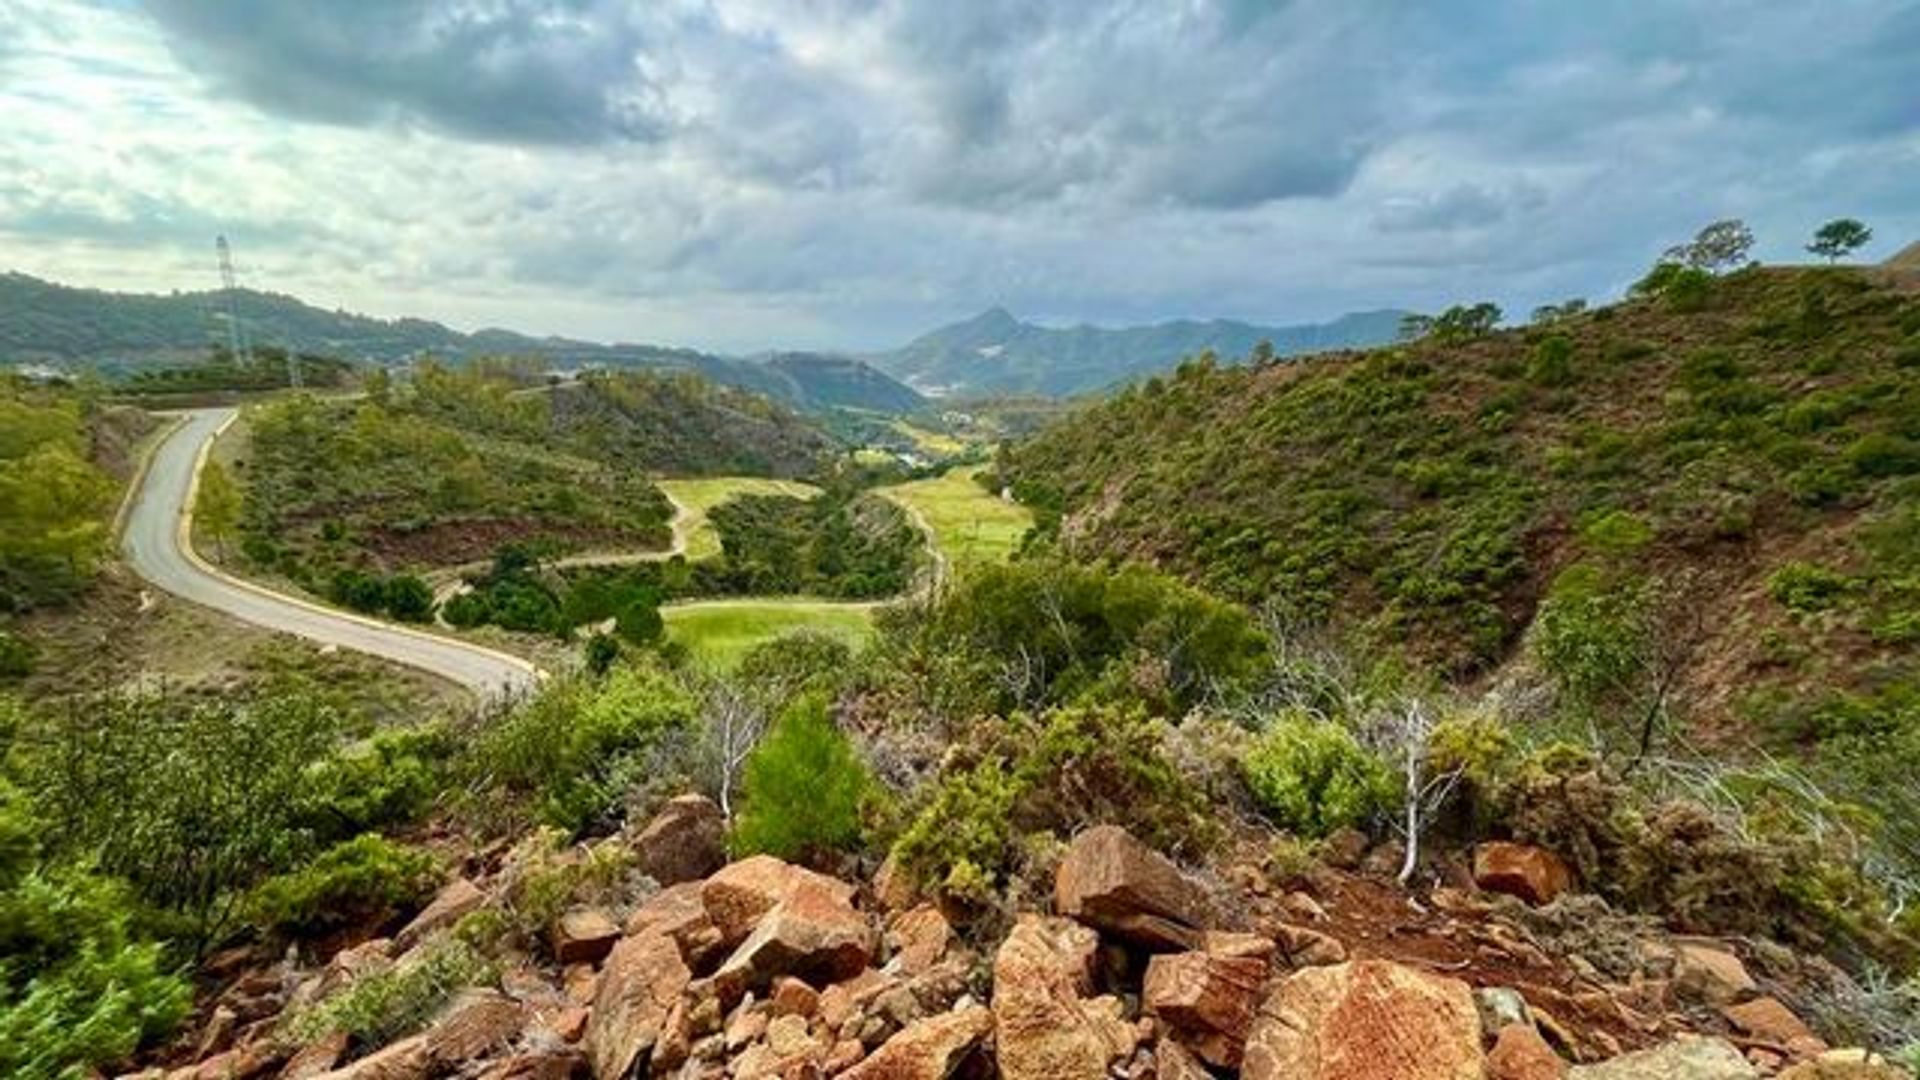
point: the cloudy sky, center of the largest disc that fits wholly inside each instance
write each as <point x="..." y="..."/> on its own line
<point x="739" y="174"/>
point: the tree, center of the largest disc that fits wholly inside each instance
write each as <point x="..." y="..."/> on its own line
<point x="1548" y="314"/>
<point x="1463" y="322"/>
<point x="1717" y="247"/>
<point x="217" y="507"/>
<point x="804" y="787"/>
<point x="1838" y="238"/>
<point x="1414" y="326"/>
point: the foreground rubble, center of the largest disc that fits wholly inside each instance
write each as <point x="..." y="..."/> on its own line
<point x="760" y="968"/>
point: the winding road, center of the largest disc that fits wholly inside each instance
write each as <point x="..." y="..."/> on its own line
<point x="158" y="545"/>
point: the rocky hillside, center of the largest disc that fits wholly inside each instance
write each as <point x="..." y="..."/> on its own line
<point x="1136" y="968"/>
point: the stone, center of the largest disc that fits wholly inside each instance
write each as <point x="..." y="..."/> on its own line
<point x="813" y="933"/>
<point x="1173" y="1062"/>
<point x="1307" y="948"/>
<point x="1710" y="973"/>
<point x="348" y="965"/>
<point x="1365" y="1020"/>
<point x="1688" y="1057"/>
<point x="1116" y="884"/>
<point x="584" y="936"/>
<point x="1207" y="999"/>
<point x="930" y="1049"/>
<point x="316" y="1058"/>
<point x="787" y="1036"/>
<point x="476" y="1024"/>
<point x="1533" y="874"/>
<point x="455" y="900"/>
<point x="740" y="893"/>
<point x="844" y="1055"/>
<point x="1046" y="1029"/>
<point x="1519" y="1053"/>
<point x="1845" y="1065"/>
<point x="919" y="939"/>
<point x="1501" y="1007"/>
<point x="642" y="982"/>
<point x="580" y="983"/>
<point x="748" y="1024"/>
<point x="843" y="1001"/>
<point x="553" y="1064"/>
<point x="679" y="913"/>
<point x="1766" y="1018"/>
<point x="570" y="1023"/>
<point x="793" y="997"/>
<point x="893" y="887"/>
<point x="403" y="1060"/>
<point x="685" y="841"/>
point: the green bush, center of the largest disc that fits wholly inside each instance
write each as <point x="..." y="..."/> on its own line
<point x="367" y="879"/>
<point x="1552" y="361"/>
<point x="384" y="1005"/>
<point x="1313" y="777"/>
<point x="639" y="621"/>
<point x="804" y="786"/>
<point x="409" y="599"/>
<point x="1806" y="587"/>
<point x="571" y="750"/>
<point x="1879" y="454"/>
<point x="17" y="656"/>
<point x="388" y="780"/>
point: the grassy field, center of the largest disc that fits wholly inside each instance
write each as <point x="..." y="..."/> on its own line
<point x="971" y="525"/>
<point x="938" y="444"/>
<point x="719" y="632"/>
<point x="702" y="494"/>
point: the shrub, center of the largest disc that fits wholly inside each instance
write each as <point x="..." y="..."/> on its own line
<point x="1879" y="454"/>
<point x="803" y="787"/>
<point x="571" y="749"/>
<point x="639" y="620"/>
<point x="1805" y="587"/>
<point x="384" y="1005"/>
<point x="367" y="879"/>
<point x="1313" y="777"/>
<point x="547" y="876"/>
<point x="17" y="656"/>
<point x="390" y="779"/>
<point x="1552" y="361"/>
<point x="409" y="599"/>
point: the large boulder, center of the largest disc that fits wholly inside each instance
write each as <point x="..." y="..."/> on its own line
<point x="1366" y="1020"/>
<point x="740" y="893"/>
<point x="1208" y="1000"/>
<point x="929" y="1049"/>
<point x="813" y="933"/>
<point x="679" y="913"/>
<point x="1115" y="883"/>
<point x="1710" y="972"/>
<point x="1046" y="1026"/>
<point x="642" y="982"/>
<point x="1770" y="1021"/>
<point x="1533" y="874"/>
<point x="685" y="841"/>
<point x="1688" y="1057"/>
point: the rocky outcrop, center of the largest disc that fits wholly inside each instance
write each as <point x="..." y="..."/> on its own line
<point x="685" y="841"/>
<point x="1366" y="1020"/>
<point x="1046" y="1026"/>
<point x="1116" y="884"/>
<point x="928" y="1049"/>
<point x="813" y="932"/>
<point x="1533" y="874"/>
<point x="1208" y="999"/>
<point x="738" y="895"/>
<point x="679" y="913"/>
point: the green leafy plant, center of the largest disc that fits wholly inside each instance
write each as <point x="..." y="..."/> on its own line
<point x="366" y="879"/>
<point x="804" y="786"/>
<point x="1808" y="587"/>
<point x="381" y="1006"/>
<point x="1313" y="777"/>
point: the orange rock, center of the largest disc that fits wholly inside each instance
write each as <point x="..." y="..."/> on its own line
<point x="1533" y="874"/>
<point x="1175" y="1063"/>
<point x="919" y="939"/>
<point x="1519" y="1053"/>
<point x="741" y="893"/>
<point x="454" y="901"/>
<point x="685" y="841"/>
<point x="316" y="1058"/>
<point x="1115" y="883"/>
<point x="679" y="913"/>
<point x="642" y="982"/>
<point x="1366" y="1020"/>
<point x="1045" y="1027"/>
<point x="1766" y="1018"/>
<point x="1208" y="1000"/>
<point x="793" y="997"/>
<point x="583" y="935"/>
<point x="929" y="1049"/>
<point x="1710" y="973"/>
<point x="813" y="933"/>
<point x="478" y="1023"/>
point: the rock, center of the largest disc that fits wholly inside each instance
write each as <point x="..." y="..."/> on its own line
<point x="1845" y="1065"/>
<point x="843" y="1055"/>
<point x="1046" y="1029"/>
<point x="685" y="841"/>
<point x="245" y="1063"/>
<point x="403" y="1060"/>
<point x="1501" y="1007"/>
<point x="679" y="913"/>
<point x="348" y="965"/>
<point x="1173" y="1062"/>
<point x="739" y="894"/>
<point x="570" y="1023"/>
<point x="893" y="887"/>
<point x="454" y="901"/>
<point x="1533" y="874"/>
<point x="793" y="997"/>
<point x="748" y="1024"/>
<point x="843" y="1001"/>
<point x="1208" y="1000"/>
<point x="584" y="936"/>
<point x="787" y="1037"/>
<point x="475" y="1025"/>
<point x="316" y="1058"/>
<point x="929" y="1049"/>
<point x="1365" y="1020"/>
<point x="580" y="983"/>
<point x="813" y="933"/>
<point x="1307" y="948"/>
<point x="919" y="939"/>
<point x="1114" y="883"/>
<point x="1519" y="1053"/>
<point x="1688" y="1057"/>
<point x="559" y="1064"/>
<point x="218" y="1034"/>
<point x="1710" y="973"/>
<point x="1766" y="1018"/>
<point x="642" y="982"/>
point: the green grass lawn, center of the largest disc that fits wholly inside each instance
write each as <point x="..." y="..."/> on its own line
<point x="935" y="443"/>
<point x="719" y="632"/>
<point x="701" y="494"/>
<point x="971" y="525"/>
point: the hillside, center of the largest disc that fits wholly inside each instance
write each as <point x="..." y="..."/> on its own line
<point x="995" y="353"/>
<point x="1740" y="483"/>
<point x="51" y="323"/>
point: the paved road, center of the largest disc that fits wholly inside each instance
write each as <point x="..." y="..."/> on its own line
<point x="155" y="546"/>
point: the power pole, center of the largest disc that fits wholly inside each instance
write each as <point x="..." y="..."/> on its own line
<point x="237" y="342"/>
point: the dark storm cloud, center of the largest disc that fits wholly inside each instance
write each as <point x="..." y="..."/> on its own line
<point x="530" y="71"/>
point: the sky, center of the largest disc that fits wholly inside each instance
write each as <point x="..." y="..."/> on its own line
<point x="747" y="174"/>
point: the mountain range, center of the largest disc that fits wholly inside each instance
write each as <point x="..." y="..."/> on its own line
<point x="994" y="352"/>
